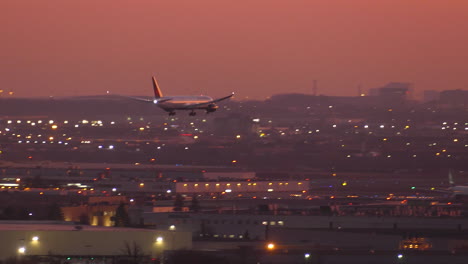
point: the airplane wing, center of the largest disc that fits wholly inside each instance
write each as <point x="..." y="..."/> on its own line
<point x="145" y="100"/>
<point x="210" y="102"/>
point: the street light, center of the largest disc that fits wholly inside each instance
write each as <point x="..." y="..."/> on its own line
<point x="270" y="246"/>
<point x="21" y="250"/>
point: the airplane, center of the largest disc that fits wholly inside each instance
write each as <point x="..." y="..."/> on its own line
<point x="191" y="103"/>
<point x="458" y="192"/>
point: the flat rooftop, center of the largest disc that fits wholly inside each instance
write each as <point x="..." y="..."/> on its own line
<point x="58" y="226"/>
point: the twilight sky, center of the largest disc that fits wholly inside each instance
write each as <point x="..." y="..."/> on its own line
<point x="253" y="47"/>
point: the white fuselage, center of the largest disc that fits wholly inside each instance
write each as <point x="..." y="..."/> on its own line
<point x="459" y="190"/>
<point x="170" y="103"/>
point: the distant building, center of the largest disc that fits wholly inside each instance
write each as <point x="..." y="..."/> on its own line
<point x="431" y="96"/>
<point x="228" y="175"/>
<point x="258" y="225"/>
<point x="246" y="189"/>
<point x="100" y="211"/>
<point x="393" y="94"/>
<point x="454" y="99"/>
<point x="69" y="242"/>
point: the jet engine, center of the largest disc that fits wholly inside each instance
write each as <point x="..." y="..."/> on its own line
<point x="211" y="108"/>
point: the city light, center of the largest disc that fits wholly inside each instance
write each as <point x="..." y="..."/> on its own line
<point x="271" y="246"/>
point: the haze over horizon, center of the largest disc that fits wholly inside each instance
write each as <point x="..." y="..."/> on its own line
<point x="255" y="48"/>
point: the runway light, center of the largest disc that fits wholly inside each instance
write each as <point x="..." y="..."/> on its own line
<point x="270" y="246"/>
<point x="400" y="256"/>
<point x="307" y="255"/>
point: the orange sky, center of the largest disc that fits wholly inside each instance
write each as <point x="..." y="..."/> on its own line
<point x="253" y="47"/>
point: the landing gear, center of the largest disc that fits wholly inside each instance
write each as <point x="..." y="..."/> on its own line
<point x="193" y="113"/>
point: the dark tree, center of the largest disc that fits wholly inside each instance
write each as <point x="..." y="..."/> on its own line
<point x="9" y="213"/>
<point x="246" y="235"/>
<point x="195" y="205"/>
<point x="55" y="213"/>
<point x="84" y="219"/>
<point x="178" y="203"/>
<point x="23" y="214"/>
<point x="133" y="252"/>
<point x="121" y="218"/>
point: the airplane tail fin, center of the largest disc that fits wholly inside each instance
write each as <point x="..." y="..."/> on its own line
<point x="157" y="90"/>
<point x="450" y="178"/>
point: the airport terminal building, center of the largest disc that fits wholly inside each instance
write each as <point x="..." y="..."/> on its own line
<point x="70" y="243"/>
